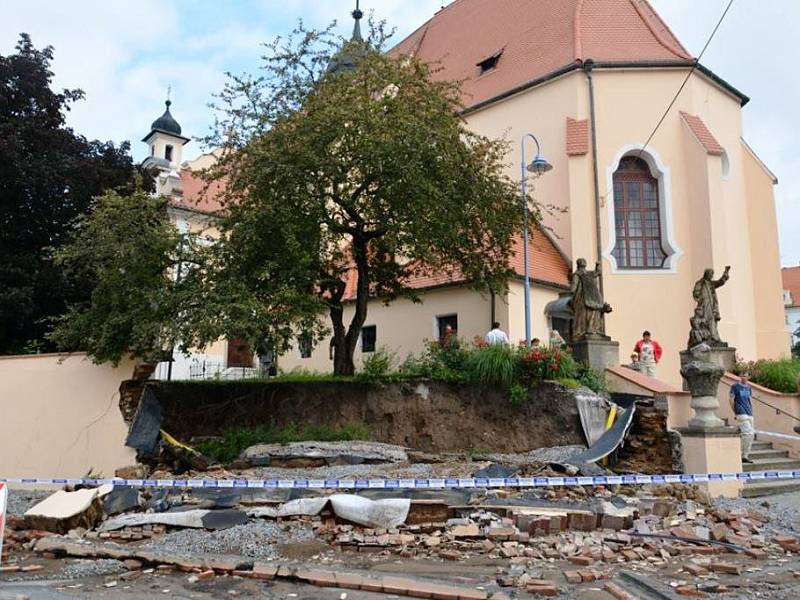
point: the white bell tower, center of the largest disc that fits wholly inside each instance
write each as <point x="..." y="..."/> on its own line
<point x="166" y="152"/>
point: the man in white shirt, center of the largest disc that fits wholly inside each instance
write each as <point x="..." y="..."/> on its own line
<point x="497" y="337"/>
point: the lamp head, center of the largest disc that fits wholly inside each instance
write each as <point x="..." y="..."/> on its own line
<point x="539" y="165"/>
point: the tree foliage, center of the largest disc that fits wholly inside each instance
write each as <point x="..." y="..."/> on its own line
<point x="367" y="174"/>
<point x="48" y="176"/>
<point x="127" y="246"/>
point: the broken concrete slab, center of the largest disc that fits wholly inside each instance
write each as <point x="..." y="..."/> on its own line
<point x="187" y="518"/>
<point x="145" y="431"/>
<point x="306" y="454"/>
<point x="64" y="511"/>
<point x="495" y="471"/>
<point x="223" y="519"/>
<point x="381" y="514"/>
<point x="121" y="500"/>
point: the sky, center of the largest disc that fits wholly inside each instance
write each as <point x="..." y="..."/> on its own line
<point x="125" y="54"/>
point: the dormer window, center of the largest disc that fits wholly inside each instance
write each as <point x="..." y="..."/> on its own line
<point x="168" y="152"/>
<point x="490" y="62"/>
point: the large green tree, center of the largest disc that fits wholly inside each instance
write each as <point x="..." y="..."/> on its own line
<point x="48" y="176"/>
<point x="366" y="171"/>
<point x="127" y="246"/>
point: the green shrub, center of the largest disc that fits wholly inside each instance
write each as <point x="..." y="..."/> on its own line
<point x="796" y="351"/>
<point x="518" y="394"/>
<point x="781" y="375"/>
<point x="236" y="441"/>
<point x="569" y="383"/>
<point x="590" y="378"/>
<point x="538" y="364"/>
<point x="492" y="365"/>
<point x="376" y="367"/>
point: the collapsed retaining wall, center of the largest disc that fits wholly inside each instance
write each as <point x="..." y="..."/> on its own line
<point x="430" y="416"/>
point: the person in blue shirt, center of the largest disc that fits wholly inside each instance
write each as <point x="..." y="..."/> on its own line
<point x="741" y="395"/>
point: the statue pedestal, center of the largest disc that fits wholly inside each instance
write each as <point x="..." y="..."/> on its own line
<point x="701" y="377"/>
<point x="721" y="356"/>
<point x="598" y="353"/>
<point x="713" y="450"/>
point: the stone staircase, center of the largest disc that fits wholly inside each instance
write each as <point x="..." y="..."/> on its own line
<point x="767" y="458"/>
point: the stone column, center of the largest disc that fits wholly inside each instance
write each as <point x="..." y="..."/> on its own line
<point x="709" y="446"/>
<point x="702" y="377"/>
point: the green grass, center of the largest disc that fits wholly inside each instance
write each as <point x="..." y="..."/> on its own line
<point x="236" y="441"/>
<point x="781" y="375"/>
<point x="494" y="365"/>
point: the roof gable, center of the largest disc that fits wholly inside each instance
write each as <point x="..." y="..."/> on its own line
<point x="538" y="37"/>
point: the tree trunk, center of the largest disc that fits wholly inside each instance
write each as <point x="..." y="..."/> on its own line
<point x="344" y="344"/>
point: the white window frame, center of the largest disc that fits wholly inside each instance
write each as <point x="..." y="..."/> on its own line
<point x="661" y="173"/>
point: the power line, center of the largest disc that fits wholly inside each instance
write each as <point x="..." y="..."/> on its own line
<point x="685" y="81"/>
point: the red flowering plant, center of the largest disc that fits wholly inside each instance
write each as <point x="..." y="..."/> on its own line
<point x="537" y="364"/>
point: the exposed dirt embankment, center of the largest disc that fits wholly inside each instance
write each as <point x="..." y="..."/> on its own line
<point x="429" y="416"/>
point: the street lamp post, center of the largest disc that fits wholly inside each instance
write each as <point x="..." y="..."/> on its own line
<point x="538" y="166"/>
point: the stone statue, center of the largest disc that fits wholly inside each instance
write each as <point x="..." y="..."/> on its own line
<point x="706" y="313"/>
<point x="588" y="308"/>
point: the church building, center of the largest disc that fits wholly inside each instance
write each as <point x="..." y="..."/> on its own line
<point x="655" y="201"/>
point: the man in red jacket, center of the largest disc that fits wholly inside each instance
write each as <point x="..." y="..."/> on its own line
<point x="649" y="352"/>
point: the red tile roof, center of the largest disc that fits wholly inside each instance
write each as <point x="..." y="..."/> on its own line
<point x="537" y="37"/>
<point x="198" y="194"/>
<point x="577" y="137"/>
<point x="703" y="134"/>
<point x="547" y="266"/>
<point x="791" y="282"/>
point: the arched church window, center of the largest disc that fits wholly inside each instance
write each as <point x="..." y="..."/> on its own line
<point x="637" y="216"/>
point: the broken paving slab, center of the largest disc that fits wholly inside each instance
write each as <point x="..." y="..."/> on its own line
<point x="145" y="431"/>
<point x="63" y="511"/>
<point x="186" y="518"/>
<point x="382" y="514"/>
<point x="223" y="519"/>
<point x="306" y="454"/>
<point x="120" y="500"/>
<point x="495" y="471"/>
<point x="193" y="518"/>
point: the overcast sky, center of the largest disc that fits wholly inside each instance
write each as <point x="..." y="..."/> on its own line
<point x="124" y="54"/>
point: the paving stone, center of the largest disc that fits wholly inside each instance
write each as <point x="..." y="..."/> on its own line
<point x="262" y="570"/>
<point x="690" y="591"/>
<point x="349" y="581"/>
<point x="466" y="531"/>
<point x="695" y="570"/>
<point x="616" y="591"/>
<point x="727" y="568"/>
<point x="572" y="577"/>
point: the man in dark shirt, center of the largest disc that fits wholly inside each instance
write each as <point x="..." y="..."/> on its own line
<point x="741" y="394"/>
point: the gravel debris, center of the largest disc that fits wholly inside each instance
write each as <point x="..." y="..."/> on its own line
<point x="783" y="510"/>
<point x="19" y="501"/>
<point x="75" y="569"/>
<point x="258" y="540"/>
<point x="381" y="471"/>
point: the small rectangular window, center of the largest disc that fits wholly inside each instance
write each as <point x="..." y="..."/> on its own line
<point x="168" y="152"/>
<point x="305" y="346"/>
<point x="369" y="336"/>
<point x="447" y="326"/>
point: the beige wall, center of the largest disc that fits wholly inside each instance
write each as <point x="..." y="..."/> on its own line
<point x="61" y="417"/>
<point x="772" y="340"/>
<point x="714" y="220"/>
<point x="403" y="327"/>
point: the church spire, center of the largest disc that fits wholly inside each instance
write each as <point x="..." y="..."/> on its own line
<point x="352" y="50"/>
<point x="357" y="15"/>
